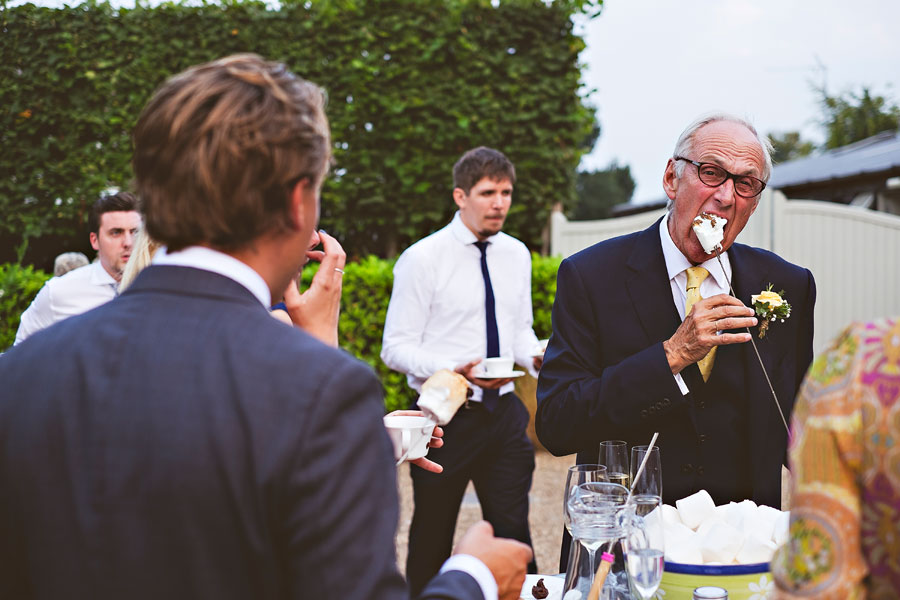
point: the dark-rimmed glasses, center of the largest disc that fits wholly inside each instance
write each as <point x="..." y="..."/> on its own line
<point x="713" y="175"/>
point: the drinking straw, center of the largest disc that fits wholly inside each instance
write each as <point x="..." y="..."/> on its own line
<point x="606" y="559"/>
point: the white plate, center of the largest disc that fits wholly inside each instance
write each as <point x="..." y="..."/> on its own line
<point x="510" y="375"/>
<point x="553" y="584"/>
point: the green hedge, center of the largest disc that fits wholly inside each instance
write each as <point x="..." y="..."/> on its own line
<point x="18" y="287"/>
<point x="411" y="86"/>
<point x="367" y="291"/>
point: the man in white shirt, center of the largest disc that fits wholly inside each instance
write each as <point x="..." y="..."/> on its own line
<point x="180" y="442"/>
<point x="114" y="221"/>
<point x="460" y="295"/>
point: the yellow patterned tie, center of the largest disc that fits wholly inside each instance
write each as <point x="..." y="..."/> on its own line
<point x="695" y="276"/>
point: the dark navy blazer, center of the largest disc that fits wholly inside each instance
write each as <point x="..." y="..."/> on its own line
<point x="179" y="442"/>
<point x="605" y="374"/>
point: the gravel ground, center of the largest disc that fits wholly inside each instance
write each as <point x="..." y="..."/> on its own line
<point x="545" y="514"/>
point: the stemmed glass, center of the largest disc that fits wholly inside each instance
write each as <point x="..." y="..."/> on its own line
<point x="614" y="456"/>
<point x="577" y="475"/>
<point x="594" y="510"/>
<point x="644" y="546"/>
<point x="650" y="481"/>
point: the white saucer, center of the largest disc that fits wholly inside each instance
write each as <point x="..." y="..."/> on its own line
<point x="509" y="375"/>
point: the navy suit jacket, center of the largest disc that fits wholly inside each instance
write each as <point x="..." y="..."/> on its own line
<point x="605" y="374"/>
<point x="179" y="442"/>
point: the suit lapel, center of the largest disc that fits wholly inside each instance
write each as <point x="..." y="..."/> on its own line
<point x="646" y="282"/>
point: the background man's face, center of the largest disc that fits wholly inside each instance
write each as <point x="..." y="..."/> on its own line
<point x="484" y="208"/>
<point x="114" y="239"/>
<point x="734" y="148"/>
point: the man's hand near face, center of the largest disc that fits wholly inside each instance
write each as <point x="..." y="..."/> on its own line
<point x="318" y="309"/>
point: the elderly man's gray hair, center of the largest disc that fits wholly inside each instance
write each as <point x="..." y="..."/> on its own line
<point x="684" y="145"/>
<point x="68" y="261"/>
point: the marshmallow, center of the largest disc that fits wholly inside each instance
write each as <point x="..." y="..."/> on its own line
<point x="782" y="528"/>
<point x="710" y="230"/>
<point x="687" y="555"/>
<point x="695" y="508"/>
<point x="721" y="542"/>
<point x="670" y="514"/>
<point x="707" y="524"/>
<point x="756" y="549"/>
<point x="766" y="517"/>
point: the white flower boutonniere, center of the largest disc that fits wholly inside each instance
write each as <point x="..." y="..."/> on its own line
<point x="770" y="306"/>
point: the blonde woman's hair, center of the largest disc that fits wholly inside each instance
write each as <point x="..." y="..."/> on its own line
<point x="141" y="254"/>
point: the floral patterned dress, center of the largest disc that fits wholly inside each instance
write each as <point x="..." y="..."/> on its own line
<point x="845" y="461"/>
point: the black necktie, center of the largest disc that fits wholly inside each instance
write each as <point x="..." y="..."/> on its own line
<point x="489" y="397"/>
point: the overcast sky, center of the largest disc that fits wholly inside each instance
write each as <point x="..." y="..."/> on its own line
<point x="658" y="64"/>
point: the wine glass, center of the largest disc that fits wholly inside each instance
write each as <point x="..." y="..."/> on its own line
<point x="644" y="545"/>
<point x="577" y="475"/>
<point x="614" y="456"/>
<point x="594" y="509"/>
<point x="650" y="481"/>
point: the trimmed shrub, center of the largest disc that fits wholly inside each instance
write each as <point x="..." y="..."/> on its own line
<point x="364" y="301"/>
<point x="18" y="287"/>
<point x="411" y="86"/>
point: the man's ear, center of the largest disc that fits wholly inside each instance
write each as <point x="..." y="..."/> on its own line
<point x="95" y="241"/>
<point x="459" y="196"/>
<point x="670" y="180"/>
<point x="299" y="195"/>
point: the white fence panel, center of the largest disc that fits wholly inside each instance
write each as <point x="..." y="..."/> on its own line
<point x="853" y="253"/>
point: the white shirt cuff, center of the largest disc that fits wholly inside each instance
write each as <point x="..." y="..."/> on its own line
<point x="682" y="385"/>
<point x="477" y="569"/>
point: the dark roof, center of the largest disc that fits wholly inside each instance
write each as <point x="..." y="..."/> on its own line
<point x="877" y="154"/>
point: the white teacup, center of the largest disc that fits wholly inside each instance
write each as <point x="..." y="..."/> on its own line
<point x="409" y="434"/>
<point x="497" y="366"/>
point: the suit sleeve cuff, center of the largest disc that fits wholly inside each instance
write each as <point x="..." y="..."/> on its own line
<point x="477" y="569"/>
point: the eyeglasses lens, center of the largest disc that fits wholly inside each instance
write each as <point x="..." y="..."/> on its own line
<point x="713" y="175"/>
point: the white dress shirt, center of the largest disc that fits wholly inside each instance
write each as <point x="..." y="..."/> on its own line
<point x="436" y="317"/>
<point x="76" y="292"/>
<point x="677" y="265"/>
<point x="207" y="259"/>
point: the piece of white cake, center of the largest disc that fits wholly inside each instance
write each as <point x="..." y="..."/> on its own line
<point x="695" y="508"/>
<point x="710" y="230"/>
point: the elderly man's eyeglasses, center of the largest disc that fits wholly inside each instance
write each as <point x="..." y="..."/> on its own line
<point x="713" y="175"/>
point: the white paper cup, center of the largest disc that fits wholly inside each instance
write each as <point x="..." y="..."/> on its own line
<point x="409" y="434"/>
<point x="497" y="366"/>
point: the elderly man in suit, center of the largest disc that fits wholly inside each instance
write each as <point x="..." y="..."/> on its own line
<point x="181" y="443"/>
<point x="625" y="360"/>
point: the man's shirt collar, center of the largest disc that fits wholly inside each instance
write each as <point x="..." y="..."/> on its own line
<point x="207" y="259"/>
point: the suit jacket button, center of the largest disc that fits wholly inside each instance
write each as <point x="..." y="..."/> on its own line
<point x="701" y="404"/>
<point x="687" y="468"/>
<point x="644" y="414"/>
<point x="702" y="438"/>
<point x="700" y="470"/>
<point x="652" y="409"/>
<point x="666" y="402"/>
